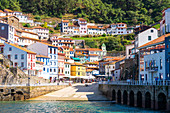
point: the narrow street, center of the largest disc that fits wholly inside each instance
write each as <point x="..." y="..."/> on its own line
<point x="75" y="92"/>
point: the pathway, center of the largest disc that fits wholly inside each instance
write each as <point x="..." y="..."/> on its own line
<point x="75" y="92"/>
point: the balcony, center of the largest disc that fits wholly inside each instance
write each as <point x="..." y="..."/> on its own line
<point x="152" y="69"/>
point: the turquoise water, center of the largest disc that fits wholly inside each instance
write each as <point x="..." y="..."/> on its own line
<point x="65" y="106"/>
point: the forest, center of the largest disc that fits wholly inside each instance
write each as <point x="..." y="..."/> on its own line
<point x="100" y="11"/>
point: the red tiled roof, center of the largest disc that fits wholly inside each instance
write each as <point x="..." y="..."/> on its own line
<point x="66" y="42"/>
<point x="65" y="21"/>
<point x="77" y="63"/>
<point x="26" y="32"/>
<point x="65" y="47"/>
<point x="92" y="27"/>
<point x="8" y="10"/>
<point x="29" y="38"/>
<point x="61" y="54"/>
<point x="160" y="39"/>
<point x="71" y="49"/>
<point x="42" y="56"/>
<point x="94" y="49"/>
<point x="2" y="11"/>
<point x="82" y="19"/>
<point x="63" y="39"/>
<point x="93" y="55"/>
<point x="21" y="48"/>
<point x="39" y="27"/>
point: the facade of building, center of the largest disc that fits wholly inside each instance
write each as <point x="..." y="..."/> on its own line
<point x="21" y="57"/>
<point x="43" y="33"/>
<point x="145" y="37"/>
<point x="63" y="42"/>
<point x="67" y="69"/>
<point x="51" y="51"/>
<point x="61" y="65"/>
<point x="165" y="22"/>
<point x="118" y="29"/>
<point x="46" y="66"/>
<point x="78" y="69"/>
<point x="154" y="60"/>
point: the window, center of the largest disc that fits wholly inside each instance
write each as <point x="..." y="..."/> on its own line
<point x="44" y="69"/>
<point x="54" y="51"/>
<point x="10" y="49"/>
<point x="50" y="50"/>
<point x="2" y="27"/>
<point x="22" y="56"/>
<point x="151" y="31"/>
<point x="16" y="64"/>
<point x="65" y="72"/>
<point x="16" y="56"/>
<point x="33" y="64"/>
<point x="50" y="70"/>
<point x="54" y="57"/>
<point x="160" y="63"/>
<point x="78" y="73"/>
<point x="54" y="70"/>
<point x="22" y="64"/>
<point x="51" y="56"/>
<point x="149" y="37"/>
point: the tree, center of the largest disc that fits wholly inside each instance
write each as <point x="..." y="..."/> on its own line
<point x="57" y="27"/>
<point x="45" y="25"/>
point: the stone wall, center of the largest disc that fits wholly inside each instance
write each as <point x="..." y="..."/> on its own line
<point x="36" y="91"/>
<point x="145" y="96"/>
<point x="26" y="92"/>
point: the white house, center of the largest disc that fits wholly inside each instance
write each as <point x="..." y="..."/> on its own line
<point x="21" y="57"/>
<point x="83" y="26"/>
<point x="39" y="68"/>
<point x="93" y="57"/>
<point x="64" y="26"/>
<point x="25" y="38"/>
<point x="2" y="13"/>
<point x="145" y="36"/>
<point x="96" y="30"/>
<point x="43" y="33"/>
<point x="118" y="29"/>
<point x="109" y="69"/>
<point x="67" y="69"/>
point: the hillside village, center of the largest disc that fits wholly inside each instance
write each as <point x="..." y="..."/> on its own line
<point x="39" y="53"/>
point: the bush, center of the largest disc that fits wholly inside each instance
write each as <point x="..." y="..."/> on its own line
<point x="37" y="17"/>
<point x="26" y="25"/>
<point x="57" y="27"/>
<point x="104" y="35"/>
<point x="76" y="36"/>
<point x="87" y="36"/>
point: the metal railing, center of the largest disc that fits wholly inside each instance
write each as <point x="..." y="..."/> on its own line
<point x="47" y="84"/>
<point x="156" y="83"/>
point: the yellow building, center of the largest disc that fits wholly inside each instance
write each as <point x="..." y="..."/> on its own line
<point x="78" y="69"/>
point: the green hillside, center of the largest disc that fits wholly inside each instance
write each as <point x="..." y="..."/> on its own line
<point x="99" y="11"/>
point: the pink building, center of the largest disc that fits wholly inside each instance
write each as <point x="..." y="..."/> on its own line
<point x="61" y="71"/>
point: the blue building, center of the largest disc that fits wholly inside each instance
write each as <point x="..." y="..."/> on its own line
<point x="51" y="64"/>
